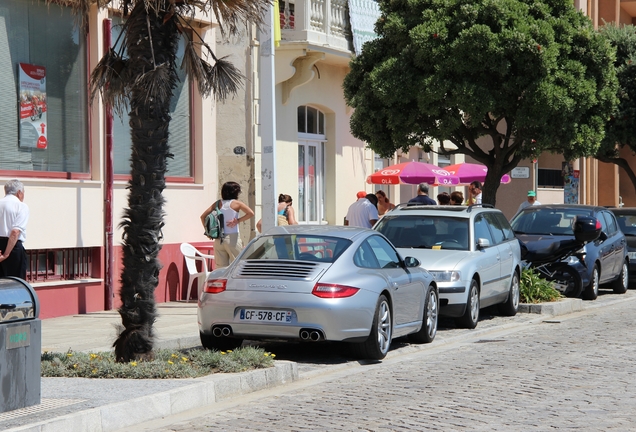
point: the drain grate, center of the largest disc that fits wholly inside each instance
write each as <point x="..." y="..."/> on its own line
<point x="490" y="340"/>
<point x="45" y="405"/>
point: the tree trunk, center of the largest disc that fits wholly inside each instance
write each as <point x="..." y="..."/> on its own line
<point x="150" y="43"/>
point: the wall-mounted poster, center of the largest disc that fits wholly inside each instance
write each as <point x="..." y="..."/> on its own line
<point x="33" y="106"/>
<point x="570" y="184"/>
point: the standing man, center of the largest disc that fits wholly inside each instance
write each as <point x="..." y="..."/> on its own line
<point x="422" y="196"/>
<point x="532" y="200"/>
<point x="474" y="192"/>
<point x="363" y="212"/>
<point x="14" y="215"/>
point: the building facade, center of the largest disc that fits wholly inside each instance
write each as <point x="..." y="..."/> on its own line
<point x="56" y="142"/>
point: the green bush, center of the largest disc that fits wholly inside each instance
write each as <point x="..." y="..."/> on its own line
<point x="535" y="289"/>
<point x="166" y="364"/>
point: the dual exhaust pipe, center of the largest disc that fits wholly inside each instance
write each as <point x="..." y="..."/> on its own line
<point x="221" y="330"/>
<point x="311" y="335"/>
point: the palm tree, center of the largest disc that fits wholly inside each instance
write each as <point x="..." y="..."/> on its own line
<point x="141" y="77"/>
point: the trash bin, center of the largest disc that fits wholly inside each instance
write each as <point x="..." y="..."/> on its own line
<point x="20" y="345"/>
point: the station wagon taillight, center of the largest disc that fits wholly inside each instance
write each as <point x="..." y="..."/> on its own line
<point x="215" y="286"/>
<point x="323" y="290"/>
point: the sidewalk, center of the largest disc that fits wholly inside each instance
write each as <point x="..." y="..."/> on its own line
<point x="105" y="405"/>
<point x="82" y="404"/>
<point x="176" y="327"/>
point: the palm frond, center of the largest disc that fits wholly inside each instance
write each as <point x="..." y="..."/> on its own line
<point x="109" y="78"/>
<point x="194" y="68"/>
<point x="225" y="79"/>
<point x="231" y="13"/>
<point x="155" y="85"/>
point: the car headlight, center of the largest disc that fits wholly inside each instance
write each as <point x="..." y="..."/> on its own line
<point x="631" y="255"/>
<point x="577" y="256"/>
<point x="446" y="276"/>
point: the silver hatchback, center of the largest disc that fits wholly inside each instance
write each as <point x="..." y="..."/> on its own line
<point x="319" y="283"/>
<point x="471" y="251"/>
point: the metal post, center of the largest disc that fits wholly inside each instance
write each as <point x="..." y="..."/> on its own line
<point x="109" y="259"/>
<point x="267" y="127"/>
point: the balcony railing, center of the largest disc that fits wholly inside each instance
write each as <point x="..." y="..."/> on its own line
<point x="319" y="22"/>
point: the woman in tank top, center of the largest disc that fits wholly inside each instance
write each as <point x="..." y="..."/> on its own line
<point x="227" y="248"/>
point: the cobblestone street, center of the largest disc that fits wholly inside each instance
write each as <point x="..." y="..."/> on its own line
<point x="573" y="372"/>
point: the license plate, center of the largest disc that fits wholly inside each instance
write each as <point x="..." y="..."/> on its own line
<point x="265" y="315"/>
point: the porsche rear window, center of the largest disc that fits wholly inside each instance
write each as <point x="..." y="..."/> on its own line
<point x="296" y="247"/>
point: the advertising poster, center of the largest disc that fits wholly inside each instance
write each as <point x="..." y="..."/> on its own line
<point x="570" y="184"/>
<point x="32" y="106"/>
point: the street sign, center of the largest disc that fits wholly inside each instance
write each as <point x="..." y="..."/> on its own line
<point x="520" y="172"/>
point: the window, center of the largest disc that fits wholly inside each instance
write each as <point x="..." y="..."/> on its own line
<point x="60" y="264"/>
<point x="612" y="227"/>
<point x="45" y="35"/>
<point x="179" y="139"/>
<point x="364" y="257"/>
<point x="385" y="254"/>
<point x="296" y="247"/>
<point x="550" y="178"/>
<point x="499" y="227"/>
<point x="481" y="230"/>
<point x="311" y="150"/>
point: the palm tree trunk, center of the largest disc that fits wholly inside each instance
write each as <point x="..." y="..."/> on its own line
<point x="151" y="46"/>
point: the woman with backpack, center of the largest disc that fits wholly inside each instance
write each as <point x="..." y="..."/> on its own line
<point x="229" y="244"/>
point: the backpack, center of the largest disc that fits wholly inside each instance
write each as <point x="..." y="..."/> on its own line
<point x="214" y="223"/>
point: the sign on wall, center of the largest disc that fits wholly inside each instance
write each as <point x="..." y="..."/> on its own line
<point x="520" y="172"/>
<point x="33" y="106"/>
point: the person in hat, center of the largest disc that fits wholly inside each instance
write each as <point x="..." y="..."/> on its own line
<point x="363" y="212"/>
<point x="361" y="194"/>
<point x="532" y="200"/>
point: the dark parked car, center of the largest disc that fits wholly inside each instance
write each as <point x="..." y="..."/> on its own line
<point x="599" y="262"/>
<point x="626" y="218"/>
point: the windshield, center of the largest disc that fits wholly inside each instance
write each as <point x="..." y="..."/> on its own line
<point x="627" y="223"/>
<point x="425" y="232"/>
<point x="547" y="221"/>
<point x="296" y="247"/>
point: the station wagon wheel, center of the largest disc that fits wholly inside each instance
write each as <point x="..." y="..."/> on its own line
<point x="429" y="321"/>
<point x="510" y="307"/>
<point x="622" y="282"/>
<point x="377" y="344"/>
<point x="471" y="316"/>
<point x="591" y="291"/>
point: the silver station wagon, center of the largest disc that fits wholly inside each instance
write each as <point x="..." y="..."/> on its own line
<point x="471" y="251"/>
<point x="319" y="283"/>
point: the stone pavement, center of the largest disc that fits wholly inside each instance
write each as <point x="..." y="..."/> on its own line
<point x="79" y="404"/>
<point x="568" y="373"/>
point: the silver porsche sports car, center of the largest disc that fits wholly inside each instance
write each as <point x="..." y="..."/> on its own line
<point x="319" y="283"/>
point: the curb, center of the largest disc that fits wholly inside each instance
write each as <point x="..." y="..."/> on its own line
<point x="562" y="307"/>
<point x="207" y="391"/>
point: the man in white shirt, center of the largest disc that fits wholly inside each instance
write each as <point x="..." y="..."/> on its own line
<point x="363" y="212"/>
<point x="532" y="200"/>
<point x="474" y="190"/>
<point x="14" y="215"/>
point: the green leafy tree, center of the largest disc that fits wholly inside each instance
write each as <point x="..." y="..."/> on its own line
<point x="140" y="78"/>
<point x="621" y="128"/>
<point x="501" y="80"/>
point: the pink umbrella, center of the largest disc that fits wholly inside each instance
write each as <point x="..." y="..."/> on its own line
<point x="469" y="172"/>
<point x="413" y="173"/>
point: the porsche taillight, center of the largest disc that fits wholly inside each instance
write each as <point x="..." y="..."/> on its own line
<point x="323" y="290"/>
<point x="215" y="286"/>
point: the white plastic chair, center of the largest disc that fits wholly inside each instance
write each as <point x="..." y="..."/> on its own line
<point x="192" y="255"/>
